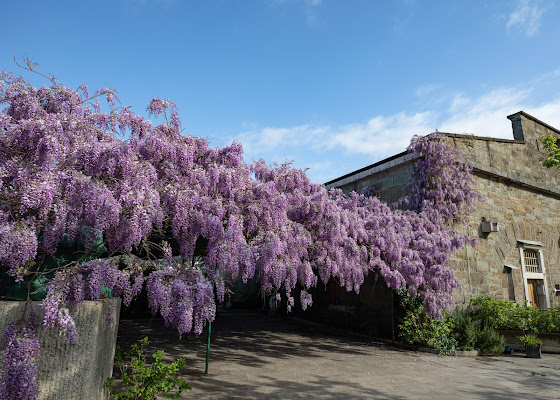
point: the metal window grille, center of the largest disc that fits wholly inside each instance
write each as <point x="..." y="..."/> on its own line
<point x="531" y="261"/>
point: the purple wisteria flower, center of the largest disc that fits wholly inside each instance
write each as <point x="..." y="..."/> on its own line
<point x="18" y="379"/>
<point x="70" y="172"/>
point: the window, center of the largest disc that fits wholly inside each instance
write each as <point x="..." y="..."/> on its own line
<point x="508" y="269"/>
<point x="533" y="271"/>
<point x="531" y="261"/>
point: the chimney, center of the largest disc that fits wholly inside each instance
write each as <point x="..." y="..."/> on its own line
<point x="516" y="125"/>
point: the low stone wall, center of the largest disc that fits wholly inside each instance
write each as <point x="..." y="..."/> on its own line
<point x="551" y="341"/>
<point x="78" y="370"/>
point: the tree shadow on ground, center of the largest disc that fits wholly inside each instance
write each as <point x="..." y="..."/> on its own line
<point x="244" y="338"/>
<point x="248" y="351"/>
<point x="265" y="387"/>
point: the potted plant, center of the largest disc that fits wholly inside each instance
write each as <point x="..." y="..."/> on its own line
<point x="532" y="345"/>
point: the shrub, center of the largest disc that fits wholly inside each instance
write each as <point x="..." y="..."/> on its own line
<point x="507" y="315"/>
<point x="464" y="330"/>
<point x="444" y="344"/>
<point x="530" y="339"/>
<point x="497" y="314"/>
<point x="419" y="329"/>
<point x="147" y="381"/>
<point x="489" y="341"/>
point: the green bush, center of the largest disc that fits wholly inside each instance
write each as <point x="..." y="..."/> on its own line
<point x="147" y="381"/>
<point x="418" y="329"/>
<point x="489" y="341"/>
<point x="507" y="315"/>
<point x="475" y="327"/>
<point x="530" y="339"/>
<point x="464" y="330"/>
<point x="444" y="344"/>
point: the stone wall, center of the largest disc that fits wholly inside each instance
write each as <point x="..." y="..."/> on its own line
<point x="523" y="197"/>
<point x="521" y="214"/>
<point x="78" y="370"/>
<point x="520" y="194"/>
<point x="551" y="341"/>
<point x="389" y="179"/>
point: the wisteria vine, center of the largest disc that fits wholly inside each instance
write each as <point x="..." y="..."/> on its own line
<point x="18" y="379"/>
<point x="70" y="171"/>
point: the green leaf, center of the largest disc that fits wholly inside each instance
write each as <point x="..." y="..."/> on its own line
<point x="141" y="380"/>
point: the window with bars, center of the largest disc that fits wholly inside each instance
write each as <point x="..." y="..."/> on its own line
<point x="531" y="261"/>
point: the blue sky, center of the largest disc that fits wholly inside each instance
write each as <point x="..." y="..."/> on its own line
<point x="333" y="85"/>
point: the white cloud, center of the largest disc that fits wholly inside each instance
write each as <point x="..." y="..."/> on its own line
<point x="382" y="135"/>
<point x="322" y="171"/>
<point x="259" y="140"/>
<point x="332" y="150"/>
<point x="135" y="6"/>
<point x="526" y="17"/>
<point x="549" y="113"/>
<point x="426" y="90"/>
<point x="386" y="135"/>
<point x="485" y="115"/>
<point x="309" y="8"/>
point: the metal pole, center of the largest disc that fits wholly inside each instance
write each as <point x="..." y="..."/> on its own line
<point x="346" y="311"/>
<point x="208" y="347"/>
<point x="392" y="317"/>
<point x="208" y="344"/>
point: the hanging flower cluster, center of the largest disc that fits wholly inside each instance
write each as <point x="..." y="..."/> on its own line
<point x="69" y="171"/>
<point x="183" y="297"/>
<point x="18" y="379"/>
<point x="442" y="183"/>
<point x="89" y="281"/>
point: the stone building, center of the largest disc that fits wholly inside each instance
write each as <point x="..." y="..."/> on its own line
<point x="517" y="257"/>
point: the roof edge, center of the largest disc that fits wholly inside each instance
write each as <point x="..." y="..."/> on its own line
<point x="485" y="138"/>
<point x="386" y="160"/>
<point x="528" y="116"/>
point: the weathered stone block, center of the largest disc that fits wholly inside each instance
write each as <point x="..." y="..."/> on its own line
<point x="78" y="370"/>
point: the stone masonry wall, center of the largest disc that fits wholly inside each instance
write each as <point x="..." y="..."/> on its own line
<point x="523" y="197"/>
<point x="518" y="160"/>
<point x="521" y="214"/>
<point x="520" y="194"/>
<point x="389" y="185"/>
<point x="78" y="370"/>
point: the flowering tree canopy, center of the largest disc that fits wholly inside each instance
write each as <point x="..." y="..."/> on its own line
<point x="70" y="171"/>
<point x="120" y="185"/>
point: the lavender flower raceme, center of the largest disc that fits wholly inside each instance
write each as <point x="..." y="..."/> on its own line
<point x="18" y="380"/>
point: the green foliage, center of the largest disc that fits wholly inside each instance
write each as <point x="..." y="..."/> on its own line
<point x="417" y="328"/>
<point x="530" y="339"/>
<point x="464" y="330"/>
<point x="553" y="158"/>
<point x="146" y="381"/>
<point x="444" y="343"/>
<point x="489" y="341"/>
<point x="507" y="315"/>
<point x="474" y="327"/>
